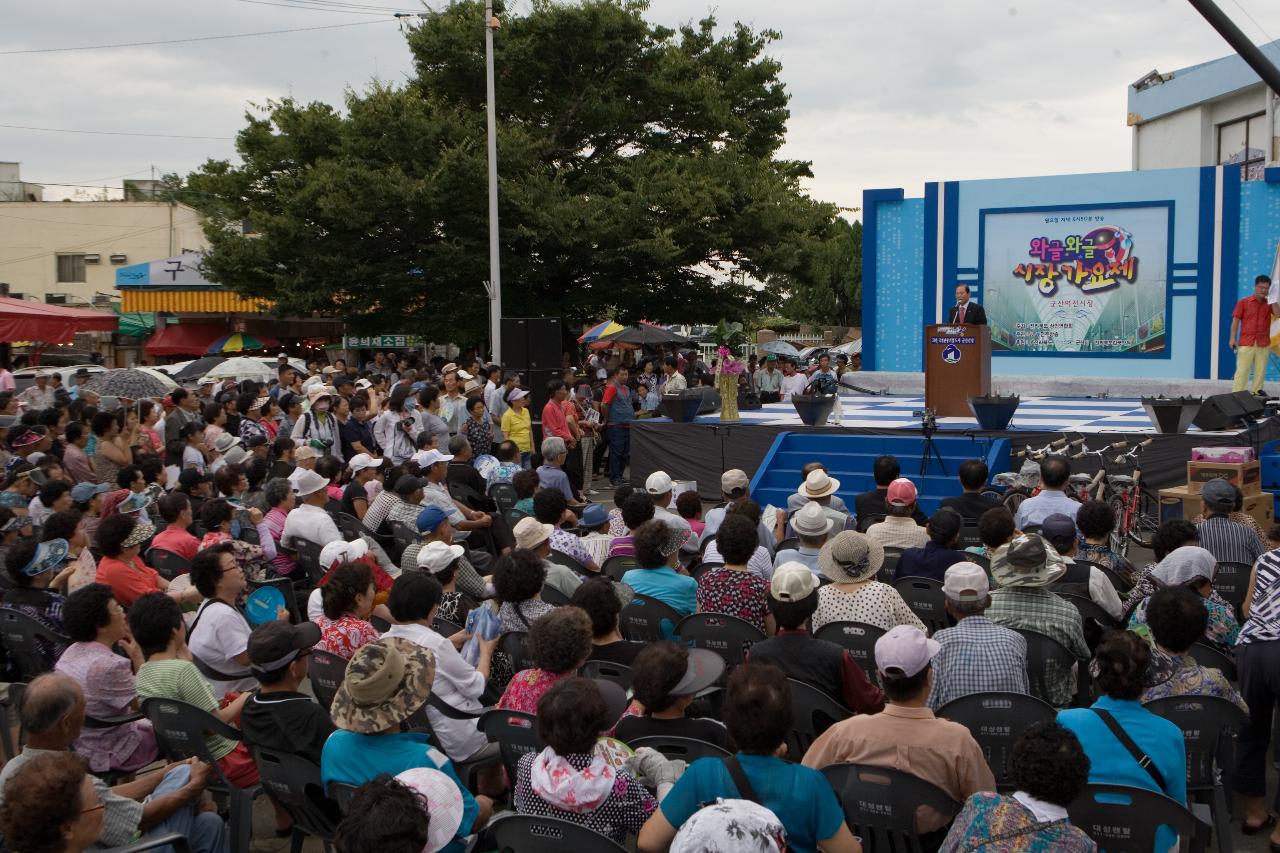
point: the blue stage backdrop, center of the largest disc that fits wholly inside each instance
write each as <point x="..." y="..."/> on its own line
<point x="1121" y="274"/>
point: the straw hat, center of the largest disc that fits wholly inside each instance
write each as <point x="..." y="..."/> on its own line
<point x="850" y="556"/>
<point x="819" y="485"/>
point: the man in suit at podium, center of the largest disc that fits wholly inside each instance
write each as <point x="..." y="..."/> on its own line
<point x="966" y="311"/>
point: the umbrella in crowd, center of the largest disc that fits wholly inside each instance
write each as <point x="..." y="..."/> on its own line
<point x="130" y="382"/>
<point x="195" y="369"/>
<point x="646" y="334"/>
<point x="608" y="327"/>
<point x="780" y="348"/>
<point x="242" y="368"/>
<point x="240" y="342"/>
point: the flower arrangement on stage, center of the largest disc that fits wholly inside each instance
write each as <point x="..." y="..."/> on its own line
<point x="728" y="369"/>
<point x="729" y="364"/>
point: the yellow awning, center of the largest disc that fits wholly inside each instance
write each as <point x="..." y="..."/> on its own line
<point x="192" y="302"/>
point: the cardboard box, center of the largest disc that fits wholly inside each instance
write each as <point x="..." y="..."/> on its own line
<point x="1180" y="502"/>
<point x="1246" y="476"/>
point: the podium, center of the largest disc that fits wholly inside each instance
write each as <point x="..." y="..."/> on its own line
<point x="957" y="365"/>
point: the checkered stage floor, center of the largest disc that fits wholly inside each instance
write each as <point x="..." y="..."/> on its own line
<point x="1040" y="414"/>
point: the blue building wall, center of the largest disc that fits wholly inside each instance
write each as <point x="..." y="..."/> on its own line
<point x="1223" y="233"/>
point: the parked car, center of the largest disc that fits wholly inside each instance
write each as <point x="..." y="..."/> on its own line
<point x="25" y="377"/>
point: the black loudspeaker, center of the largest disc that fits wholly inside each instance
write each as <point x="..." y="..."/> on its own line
<point x="1250" y="404"/>
<point x="1221" y="412"/>
<point x="1171" y="415"/>
<point x="532" y="343"/>
<point x="994" y="413"/>
<point x="536" y="383"/>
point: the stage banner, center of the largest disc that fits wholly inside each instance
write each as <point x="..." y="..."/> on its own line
<point x="1077" y="280"/>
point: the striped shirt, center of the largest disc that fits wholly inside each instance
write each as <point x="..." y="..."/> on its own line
<point x="1263" y="624"/>
<point x="179" y="679"/>
<point x="1228" y="541"/>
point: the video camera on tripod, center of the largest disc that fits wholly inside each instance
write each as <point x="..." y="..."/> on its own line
<point x="928" y="420"/>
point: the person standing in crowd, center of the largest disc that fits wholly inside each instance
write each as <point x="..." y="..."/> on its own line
<point x="792" y="383"/>
<point x="1250" y="335"/>
<point x="517" y="424"/>
<point x="1257" y="656"/>
<point x="768" y="380"/>
<point x="618" y="410"/>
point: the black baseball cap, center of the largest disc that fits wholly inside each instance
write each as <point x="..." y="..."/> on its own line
<point x="408" y="484"/>
<point x="274" y="645"/>
<point x="256" y="440"/>
<point x="191" y="477"/>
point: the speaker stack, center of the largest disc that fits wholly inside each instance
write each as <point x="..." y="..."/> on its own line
<point x="532" y="346"/>
<point x="1228" y="411"/>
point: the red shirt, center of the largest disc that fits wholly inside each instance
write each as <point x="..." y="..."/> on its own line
<point x="554" y="422"/>
<point x="128" y="581"/>
<point x="178" y="541"/>
<point x="1255" y="322"/>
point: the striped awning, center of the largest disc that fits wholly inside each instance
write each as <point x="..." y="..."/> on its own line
<point x="192" y="302"/>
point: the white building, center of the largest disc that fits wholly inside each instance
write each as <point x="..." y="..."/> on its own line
<point x="1214" y="113"/>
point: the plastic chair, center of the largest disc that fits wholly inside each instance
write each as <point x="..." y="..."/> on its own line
<point x="702" y="568"/>
<point x="174" y="840"/>
<point x="880" y="804"/>
<point x="26" y="640"/>
<point x="528" y="834"/>
<point x="641" y="620"/>
<point x="890" y="565"/>
<point x="513" y="516"/>
<point x="812" y="713"/>
<point x="309" y="560"/>
<point x="1121" y="585"/>
<point x="294" y="784"/>
<point x="463" y="493"/>
<point x="180" y="731"/>
<point x="1122" y="819"/>
<point x="249" y="534"/>
<point x="1046" y="660"/>
<point x="515" y="644"/>
<point x="684" y="748"/>
<point x="981" y="560"/>
<point x="326" y="672"/>
<point x="1208" y="656"/>
<point x="516" y="734"/>
<point x="403" y="535"/>
<point x="444" y="627"/>
<point x="603" y="670"/>
<point x="565" y="560"/>
<point x="865" y="521"/>
<point x="790" y="543"/>
<point x="925" y="598"/>
<point x="341" y="793"/>
<point x="167" y="563"/>
<point x="858" y="638"/>
<point x="1231" y="580"/>
<point x="504" y="495"/>
<point x="349" y="526"/>
<point x="1089" y="609"/>
<point x="969" y="537"/>
<point x="728" y="636"/>
<point x="288" y="590"/>
<point x="1209" y="727"/>
<point x="616" y="567"/>
<point x="996" y="721"/>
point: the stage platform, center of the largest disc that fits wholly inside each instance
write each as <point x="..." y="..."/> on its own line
<point x="703" y="449"/>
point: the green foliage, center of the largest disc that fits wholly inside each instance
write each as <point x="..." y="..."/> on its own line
<point x="637" y="170"/>
<point x="828" y="291"/>
<point x="728" y="334"/>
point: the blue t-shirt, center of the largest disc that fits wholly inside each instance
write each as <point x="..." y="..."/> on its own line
<point x="668" y="586"/>
<point x="354" y="758"/>
<point x="800" y="796"/>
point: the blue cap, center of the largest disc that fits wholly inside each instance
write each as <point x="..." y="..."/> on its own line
<point x="83" y="492"/>
<point x="431" y="518"/>
<point x="594" y="515"/>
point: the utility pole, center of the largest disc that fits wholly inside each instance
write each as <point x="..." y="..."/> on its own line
<point x="495" y="271"/>
<point x="1241" y="44"/>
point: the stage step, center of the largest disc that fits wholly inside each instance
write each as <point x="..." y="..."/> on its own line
<point x="849" y="458"/>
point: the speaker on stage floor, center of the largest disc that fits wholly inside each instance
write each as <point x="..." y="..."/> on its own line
<point x="1250" y="404"/>
<point x="1227" y="411"/>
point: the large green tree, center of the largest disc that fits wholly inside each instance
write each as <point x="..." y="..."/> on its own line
<point x="827" y="287"/>
<point x="638" y="169"/>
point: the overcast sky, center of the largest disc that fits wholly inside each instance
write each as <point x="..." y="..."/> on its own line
<point x="884" y="93"/>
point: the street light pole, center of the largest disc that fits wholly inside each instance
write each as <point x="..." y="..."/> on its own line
<point x="495" y="271"/>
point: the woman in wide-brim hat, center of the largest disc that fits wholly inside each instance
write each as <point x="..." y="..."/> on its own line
<point x="850" y="561"/>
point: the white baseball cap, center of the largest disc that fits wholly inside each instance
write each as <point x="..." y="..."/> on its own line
<point x="966" y="582"/>
<point x="431" y="457"/>
<point x="342" y="551"/>
<point x="361" y="461"/>
<point x="658" y="483"/>
<point x="437" y="556"/>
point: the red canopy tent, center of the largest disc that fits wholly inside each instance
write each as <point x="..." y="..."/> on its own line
<point x="21" y="320"/>
<point x="184" y="339"/>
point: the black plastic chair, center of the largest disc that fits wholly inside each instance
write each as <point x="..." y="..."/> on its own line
<point x="925" y="598"/>
<point x="326" y="672"/>
<point x="404" y="536"/>
<point x="1209" y="727"/>
<point x="791" y="543"/>
<point x="702" y="568"/>
<point x="249" y="534"/>
<point x="294" y="784"/>
<point x="616" y="567"/>
<point x="684" y="748"/>
<point x="1231" y="580"/>
<point x="1121" y="585"/>
<point x="1122" y="819"/>
<point x="515" y="644"/>
<point x="728" y="636"/>
<point x="890" y="565"/>
<point x="880" y="804"/>
<point x="308" y="560"/>
<point x="180" y="731"/>
<point x="513" y="517"/>
<point x="969" y="537"/>
<point x="176" y="841"/>
<point x="349" y="526"/>
<point x="812" y="713"/>
<point x="32" y="646"/>
<point x="1047" y="660"/>
<point x="528" y="834"/>
<point x="553" y="596"/>
<point x="1089" y="609"/>
<point x="641" y="620"/>
<point x="341" y="793"/>
<point x="1207" y="656"/>
<point x="167" y="563"/>
<point x="504" y="495"/>
<point x="463" y="493"/>
<point x="288" y="590"/>
<point x="444" y="627"/>
<point x="858" y="638"/>
<point x="980" y="560"/>
<point x="604" y="670"/>
<point x="865" y="521"/>
<point x="996" y="721"/>
<point x="516" y="734"/>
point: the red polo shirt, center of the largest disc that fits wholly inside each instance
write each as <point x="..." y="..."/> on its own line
<point x="554" y="422"/>
<point x="1255" y="322"/>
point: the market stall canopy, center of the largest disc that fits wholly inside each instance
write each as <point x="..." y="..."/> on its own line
<point x="184" y="339"/>
<point x="646" y="334"/>
<point x="177" y="284"/>
<point x="22" y="320"/>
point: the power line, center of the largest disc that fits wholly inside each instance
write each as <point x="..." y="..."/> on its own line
<point x="310" y="8"/>
<point x="318" y="6"/>
<point x="112" y="132"/>
<point x="1252" y="18"/>
<point x="184" y="40"/>
<point x="88" y="243"/>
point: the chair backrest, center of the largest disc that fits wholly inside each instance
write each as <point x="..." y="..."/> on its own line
<point x="686" y="749"/>
<point x="1121" y="585"/>
<point x="1207" y="655"/>
<point x="858" y="638"/>
<point x="309" y="560"/>
<point x="294" y="784"/>
<point x="180" y="730"/>
<point x="890" y="564"/>
<point x="791" y="543"/>
<point x="404" y="535"/>
<point x="1122" y="819"/>
<point x="465" y="494"/>
<point x="341" y="793"/>
<point x="641" y="620"/>
<point x="969" y="537"/>
<point x="516" y="646"/>
<point x="702" y="568"/>
<point x="981" y="560"/>
<point x="553" y="596"/>
<point x="996" y="721"/>
<point x="22" y="638"/>
<point x="504" y="495"/>
<point x="349" y="526"/>
<point x="705" y="543"/>
<point x="568" y="561"/>
<point x="880" y="804"/>
<point x="444" y="627"/>
<point x="812" y="713"/>
<point x="167" y="563"/>
<point x="1231" y="580"/>
<point x="616" y="567"/>
<point x="604" y="670"/>
<point x="249" y="534"/>
<point x="516" y="734"/>
<point x="288" y="590"/>
<point x="1047" y="660"/>
<point x="1088" y="609"/>
<point x="925" y="598"/>
<point x="513" y="516"/>
<point x="727" y="636"/>
<point x="865" y="521"/>
<point x="1204" y="721"/>
<point x="326" y="672"/>
<point x="529" y="834"/>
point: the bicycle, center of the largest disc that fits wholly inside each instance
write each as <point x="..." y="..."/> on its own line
<point x="1085" y="487"/>
<point x="1135" y="506"/>
<point x="1025" y="482"/>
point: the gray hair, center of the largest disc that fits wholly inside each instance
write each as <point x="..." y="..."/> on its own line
<point x="275" y="491"/>
<point x="970" y="606"/>
<point x="554" y="448"/>
<point x="47" y="700"/>
<point x="457" y="443"/>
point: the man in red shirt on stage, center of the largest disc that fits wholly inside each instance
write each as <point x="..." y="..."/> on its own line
<point x="1250" y="335"/>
